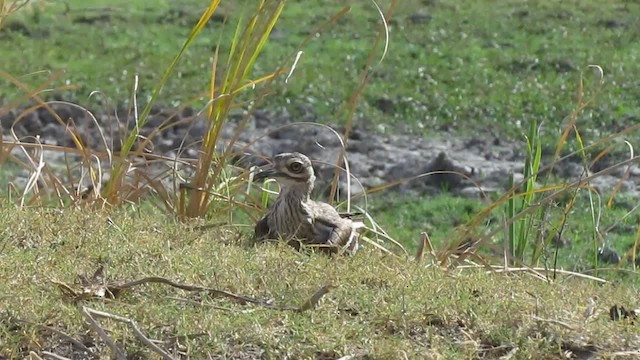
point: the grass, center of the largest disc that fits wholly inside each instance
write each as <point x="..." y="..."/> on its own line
<point x="380" y="306"/>
<point x="507" y="66"/>
<point x="442" y="216"/>
<point x="460" y="67"/>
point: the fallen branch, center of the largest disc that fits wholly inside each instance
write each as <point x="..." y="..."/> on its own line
<point x="625" y="353"/>
<point x="68" y="337"/>
<point x="114" y="289"/>
<point x="117" y="352"/>
<point x="50" y="355"/>
<point x="311" y="303"/>
<point x="315" y="298"/>
<point x="198" y="303"/>
<point x="555" y="322"/>
<point x="161" y="280"/>
<point x="34" y="356"/>
<point x="89" y="313"/>
<point x="534" y="270"/>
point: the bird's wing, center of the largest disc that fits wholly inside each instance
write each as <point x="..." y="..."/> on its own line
<point x="331" y="229"/>
<point x="262" y="231"/>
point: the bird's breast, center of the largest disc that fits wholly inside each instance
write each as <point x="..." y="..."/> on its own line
<point x="291" y="219"/>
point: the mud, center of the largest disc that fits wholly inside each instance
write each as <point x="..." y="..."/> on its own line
<point x="471" y="167"/>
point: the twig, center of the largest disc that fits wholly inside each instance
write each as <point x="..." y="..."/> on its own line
<point x="161" y="280"/>
<point x="68" y="337"/>
<point x="89" y="312"/>
<point x="625" y="353"/>
<point x="54" y="356"/>
<point x="156" y="279"/>
<point x="555" y="322"/>
<point x="193" y="302"/>
<point x="559" y="271"/>
<point x="509" y="355"/>
<point x="117" y="352"/>
<point x="34" y="356"/>
<point x="422" y="243"/>
<point x="533" y="270"/>
<point x="315" y="298"/>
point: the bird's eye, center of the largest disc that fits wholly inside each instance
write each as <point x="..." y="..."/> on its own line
<point x="296" y="167"/>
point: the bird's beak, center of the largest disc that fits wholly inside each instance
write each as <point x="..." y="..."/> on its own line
<point x="265" y="174"/>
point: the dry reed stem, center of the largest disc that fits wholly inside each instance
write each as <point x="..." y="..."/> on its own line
<point x="115" y="350"/>
<point x="90" y="313"/>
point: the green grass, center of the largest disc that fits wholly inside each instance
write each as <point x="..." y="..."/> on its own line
<point x="442" y="216"/>
<point x="463" y="66"/>
<point x="380" y="307"/>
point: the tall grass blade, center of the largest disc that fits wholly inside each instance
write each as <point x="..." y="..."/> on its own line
<point x="120" y="165"/>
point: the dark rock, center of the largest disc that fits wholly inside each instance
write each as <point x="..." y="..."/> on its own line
<point x="46" y="117"/>
<point x="103" y="18"/>
<point x="618" y="312"/>
<point x="188" y="112"/>
<point x="373" y="158"/>
<point x="18" y="27"/>
<point x="562" y="66"/>
<point x="419" y="18"/>
<point x="446" y="179"/>
<point x="31" y="123"/>
<point x="522" y="13"/>
<point x="608" y="256"/>
<point x="52" y="134"/>
<point x="385" y="105"/>
<point x="612" y="23"/>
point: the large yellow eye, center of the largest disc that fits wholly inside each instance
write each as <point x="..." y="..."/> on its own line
<point x="295" y="167"/>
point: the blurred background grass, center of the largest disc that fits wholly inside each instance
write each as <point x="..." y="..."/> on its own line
<point x="463" y="66"/>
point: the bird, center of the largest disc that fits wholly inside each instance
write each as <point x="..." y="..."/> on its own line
<point x="296" y="217"/>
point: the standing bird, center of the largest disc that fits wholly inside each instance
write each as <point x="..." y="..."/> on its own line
<point x="297" y="218"/>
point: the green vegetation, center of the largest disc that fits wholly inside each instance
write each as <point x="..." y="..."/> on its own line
<point x="506" y="69"/>
<point x="444" y="216"/>
<point x="461" y="66"/>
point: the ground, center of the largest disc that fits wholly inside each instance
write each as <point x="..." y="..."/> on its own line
<point x="378" y="306"/>
<point x="469" y="69"/>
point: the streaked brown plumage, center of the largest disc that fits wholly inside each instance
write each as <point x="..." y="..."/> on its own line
<point x="297" y="218"/>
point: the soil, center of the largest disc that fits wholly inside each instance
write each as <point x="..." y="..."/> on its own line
<point x="472" y="166"/>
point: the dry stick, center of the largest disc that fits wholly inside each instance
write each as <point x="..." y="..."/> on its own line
<point x="161" y="280"/>
<point x="315" y="298"/>
<point x="117" y="352"/>
<point x="88" y="312"/>
<point x="422" y="243"/>
<point x="34" y="356"/>
<point x="509" y="355"/>
<point x="68" y="337"/>
<point x="555" y="322"/>
<point x="625" y="353"/>
<point x="193" y="302"/>
<point x="156" y="279"/>
<point x="54" y="356"/>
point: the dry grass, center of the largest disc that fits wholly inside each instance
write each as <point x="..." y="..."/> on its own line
<point x="215" y="296"/>
<point x="377" y="306"/>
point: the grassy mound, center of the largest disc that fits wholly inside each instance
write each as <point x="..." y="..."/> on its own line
<point x="377" y="306"/>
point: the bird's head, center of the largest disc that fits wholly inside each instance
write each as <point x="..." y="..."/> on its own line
<point x="290" y="169"/>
